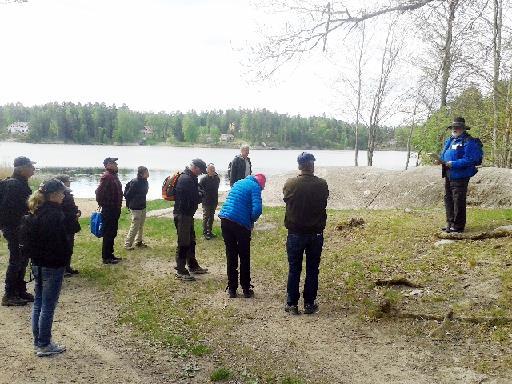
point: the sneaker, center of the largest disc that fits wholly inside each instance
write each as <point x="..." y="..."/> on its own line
<point x="184" y="276"/>
<point x="292" y="309"/>
<point x="456" y="230"/>
<point x="50" y="349"/>
<point x="232" y="293"/>
<point x="248" y="293"/>
<point x="141" y="244"/>
<point x="118" y="259"/>
<point x="110" y="261"/>
<point x="309" y="309"/>
<point x="199" y="271"/>
<point x="28" y="297"/>
<point x="13" y="301"/>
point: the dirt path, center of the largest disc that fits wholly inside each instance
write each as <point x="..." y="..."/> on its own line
<point x="98" y="349"/>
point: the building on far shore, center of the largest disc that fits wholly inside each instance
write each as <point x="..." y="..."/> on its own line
<point x="226" y="137"/>
<point x="148" y="130"/>
<point x="18" y="128"/>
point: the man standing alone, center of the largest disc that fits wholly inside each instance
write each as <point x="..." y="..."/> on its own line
<point x="241" y="166"/>
<point x="15" y="192"/>
<point x="109" y="196"/>
<point x="306" y="201"/>
<point x="210" y="186"/>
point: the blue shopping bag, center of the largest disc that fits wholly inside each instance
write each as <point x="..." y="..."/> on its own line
<point x="97" y="224"/>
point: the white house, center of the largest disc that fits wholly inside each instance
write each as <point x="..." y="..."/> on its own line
<point x="148" y="130"/>
<point x="18" y="128"/>
<point x="226" y="137"/>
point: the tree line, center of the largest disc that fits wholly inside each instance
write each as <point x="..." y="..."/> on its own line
<point x="99" y="123"/>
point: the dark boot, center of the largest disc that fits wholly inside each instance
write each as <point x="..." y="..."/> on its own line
<point x="13" y="301"/>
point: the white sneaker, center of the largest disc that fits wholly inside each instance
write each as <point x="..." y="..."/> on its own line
<point x="50" y="349"/>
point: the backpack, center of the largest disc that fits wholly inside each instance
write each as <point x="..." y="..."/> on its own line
<point x="97" y="224"/>
<point x="26" y="235"/>
<point x="169" y="187"/>
<point x="3" y="184"/>
<point x="127" y="188"/>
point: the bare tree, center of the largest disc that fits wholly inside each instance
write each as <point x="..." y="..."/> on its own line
<point x="359" y="92"/>
<point x="497" y="27"/>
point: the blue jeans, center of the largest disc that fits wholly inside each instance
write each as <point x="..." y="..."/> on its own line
<point x="296" y="245"/>
<point x="48" y="282"/>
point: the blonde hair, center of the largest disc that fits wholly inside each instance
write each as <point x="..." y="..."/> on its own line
<point x="35" y="200"/>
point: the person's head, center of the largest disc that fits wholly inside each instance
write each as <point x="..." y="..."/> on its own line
<point x="110" y="164"/>
<point x="458" y="126"/>
<point x="244" y="151"/>
<point x="64" y="179"/>
<point x="261" y="179"/>
<point x="23" y="167"/>
<point x="197" y="167"/>
<point x="51" y="190"/>
<point x="210" y="170"/>
<point x="306" y="162"/>
<point x="142" y="172"/>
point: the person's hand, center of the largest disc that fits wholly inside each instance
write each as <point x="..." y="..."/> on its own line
<point x="449" y="164"/>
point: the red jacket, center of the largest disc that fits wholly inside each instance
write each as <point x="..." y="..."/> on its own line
<point x="110" y="191"/>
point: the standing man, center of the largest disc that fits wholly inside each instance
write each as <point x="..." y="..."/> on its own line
<point x="14" y="193"/>
<point x="241" y="166"/>
<point x="135" y="193"/>
<point x="186" y="202"/>
<point x="459" y="158"/>
<point x="210" y="186"/>
<point x="306" y="201"/>
<point x="109" y="196"/>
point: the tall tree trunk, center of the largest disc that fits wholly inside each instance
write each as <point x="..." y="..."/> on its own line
<point x="409" y="138"/>
<point x="508" y="126"/>
<point x="359" y="90"/>
<point x="497" y="23"/>
<point x="447" y="58"/>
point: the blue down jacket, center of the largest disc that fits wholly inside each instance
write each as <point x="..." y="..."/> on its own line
<point x="464" y="152"/>
<point x="243" y="204"/>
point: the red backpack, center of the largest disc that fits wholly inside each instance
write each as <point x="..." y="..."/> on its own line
<point x="169" y="187"/>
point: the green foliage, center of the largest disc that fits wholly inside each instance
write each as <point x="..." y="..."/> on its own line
<point x="220" y="374"/>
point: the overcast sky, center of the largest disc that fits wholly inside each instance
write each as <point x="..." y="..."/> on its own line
<point x="152" y="55"/>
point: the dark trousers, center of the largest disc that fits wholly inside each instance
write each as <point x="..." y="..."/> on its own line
<point x="208" y="217"/>
<point x="455" y="202"/>
<point x="296" y="246"/>
<point x="238" y="245"/>
<point x="110" y="226"/>
<point x="15" y="275"/>
<point x="186" y="250"/>
<point x="71" y="241"/>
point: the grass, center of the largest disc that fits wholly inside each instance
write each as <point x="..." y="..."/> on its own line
<point x="391" y="244"/>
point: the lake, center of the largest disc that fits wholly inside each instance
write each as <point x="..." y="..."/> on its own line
<point x="84" y="162"/>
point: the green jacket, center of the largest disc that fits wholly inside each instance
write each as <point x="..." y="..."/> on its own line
<point x="306" y="201"/>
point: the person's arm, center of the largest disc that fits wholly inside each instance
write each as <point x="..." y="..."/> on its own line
<point x="287" y="192"/>
<point x="17" y="204"/>
<point x="102" y="191"/>
<point x="185" y="193"/>
<point x="471" y="156"/>
<point x="232" y="174"/>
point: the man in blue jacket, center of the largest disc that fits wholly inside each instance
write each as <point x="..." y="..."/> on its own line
<point x="240" y="211"/>
<point x="459" y="158"/>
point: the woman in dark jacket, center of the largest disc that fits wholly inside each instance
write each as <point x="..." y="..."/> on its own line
<point x="44" y="239"/>
<point x="135" y="194"/>
<point x="210" y="187"/>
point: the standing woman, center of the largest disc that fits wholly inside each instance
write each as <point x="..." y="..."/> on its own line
<point x="45" y="240"/>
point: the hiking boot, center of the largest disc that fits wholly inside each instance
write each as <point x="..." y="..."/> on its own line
<point x="232" y="293"/>
<point x="309" y="309"/>
<point x="456" y="230"/>
<point x="13" y="301"/>
<point x="50" y="349"/>
<point x="110" y="261"/>
<point x="185" y="276"/>
<point x="248" y="293"/>
<point x="28" y="297"/>
<point x="199" y="271"/>
<point x="292" y="309"/>
<point x="141" y="244"/>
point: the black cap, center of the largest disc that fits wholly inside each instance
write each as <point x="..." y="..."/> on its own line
<point x="200" y="164"/>
<point x="109" y="160"/>
<point x="63" y="178"/>
<point x="459" y="122"/>
<point x="52" y="185"/>
<point x="22" y="161"/>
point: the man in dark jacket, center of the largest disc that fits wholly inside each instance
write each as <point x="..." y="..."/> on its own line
<point x="15" y="192"/>
<point x="241" y="166"/>
<point x="186" y="202"/>
<point x="109" y="196"/>
<point x="135" y="194"/>
<point x="459" y="158"/>
<point x="306" y="201"/>
<point x="210" y="187"/>
<point x="71" y="216"/>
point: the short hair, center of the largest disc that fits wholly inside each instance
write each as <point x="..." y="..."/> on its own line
<point x="141" y="170"/>
<point x="244" y="146"/>
<point x="306" y="165"/>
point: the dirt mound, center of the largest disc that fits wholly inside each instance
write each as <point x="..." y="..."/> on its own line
<point x="367" y="187"/>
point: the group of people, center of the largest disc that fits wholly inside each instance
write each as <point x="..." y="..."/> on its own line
<point x="40" y="226"/>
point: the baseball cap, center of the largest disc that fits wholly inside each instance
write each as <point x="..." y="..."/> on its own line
<point x="200" y="164"/>
<point x="109" y="160"/>
<point x="261" y="179"/>
<point x="23" y="161"/>
<point x="52" y="185"/>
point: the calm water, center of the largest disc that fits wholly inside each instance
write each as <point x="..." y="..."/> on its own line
<point x="84" y="162"/>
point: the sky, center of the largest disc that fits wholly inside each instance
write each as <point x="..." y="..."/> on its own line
<point x="153" y="55"/>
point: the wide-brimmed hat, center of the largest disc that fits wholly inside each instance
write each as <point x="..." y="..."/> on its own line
<point x="459" y="122"/>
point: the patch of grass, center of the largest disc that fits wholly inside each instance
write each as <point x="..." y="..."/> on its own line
<point x="220" y="374"/>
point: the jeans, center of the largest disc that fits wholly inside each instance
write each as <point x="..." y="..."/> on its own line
<point x="136" y="227"/>
<point x="208" y="217"/>
<point x="186" y="250"/>
<point x="296" y="245"/>
<point x="48" y="282"/>
<point x="110" y="226"/>
<point x="238" y="245"/>
<point x="455" y="202"/>
<point x="15" y="275"/>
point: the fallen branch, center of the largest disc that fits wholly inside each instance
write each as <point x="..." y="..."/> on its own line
<point x="399" y="281"/>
